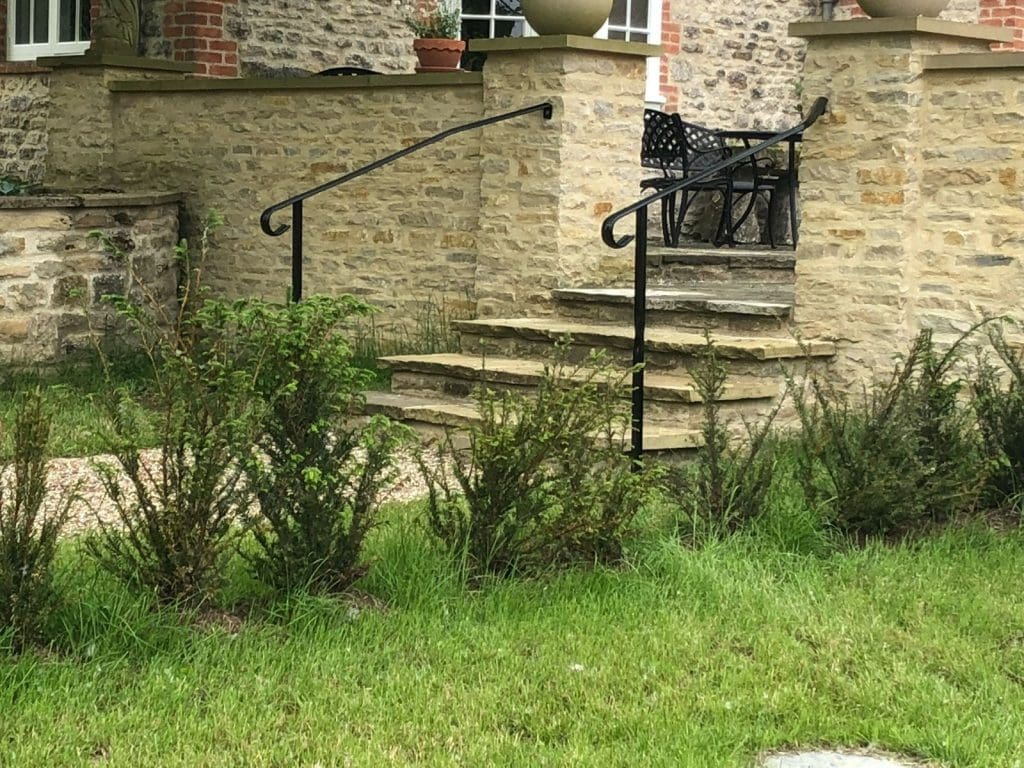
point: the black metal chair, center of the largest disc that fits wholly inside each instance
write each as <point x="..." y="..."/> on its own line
<point x="682" y="150"/>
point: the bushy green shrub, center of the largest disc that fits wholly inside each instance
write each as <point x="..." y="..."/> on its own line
<point x="174" y="519"/>
<point x="729" y="483"/>
<point x="317" y="476"/>
<point x="28" y="533"/>
<point x="1000" y="413"/>
<point x="544" y="481"/>
<point x="899" y="459"/>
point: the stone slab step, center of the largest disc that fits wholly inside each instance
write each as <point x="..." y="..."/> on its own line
<point x="754" y="301"/>
<point x="439" y="413"/>
<point x="620" y="337"/>
<point x="428" y="372"/>
<point x="730" y="258"/>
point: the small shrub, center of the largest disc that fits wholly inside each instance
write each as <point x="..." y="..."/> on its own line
<point x="901" y="459"/>
<point x="729" y="485"/>
<point x="318" y="478"/>
<point x="442" y="19"/>
<point x="174" y="518"/>
<point x="1000" y="414"/>
<point x="544" y="481"/>
<point x="28" y="534"/>
<point x="12" y="186"/>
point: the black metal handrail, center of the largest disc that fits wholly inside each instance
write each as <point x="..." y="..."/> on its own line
<point x="296" y="201"/>
<point x="640" y="208"/>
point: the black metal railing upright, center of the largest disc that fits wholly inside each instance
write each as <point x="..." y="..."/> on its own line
<point x="295" y="202"/>
<point x="640" y="209"/>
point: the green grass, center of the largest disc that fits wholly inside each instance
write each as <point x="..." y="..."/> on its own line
<point x="686" y="658"/>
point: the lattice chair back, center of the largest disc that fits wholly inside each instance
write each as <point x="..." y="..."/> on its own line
<point x="704" y="148"/>
<point x="663" y="145"/>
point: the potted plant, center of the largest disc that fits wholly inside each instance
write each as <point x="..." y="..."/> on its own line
<point x="437" y="42"/>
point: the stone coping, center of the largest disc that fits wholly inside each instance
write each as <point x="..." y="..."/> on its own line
<point x="88" y="59"/>
<point x="574" y="42"/>
<point x="311" y="83"/>
<point x="61" y="199"/>
<point x="22" y="68"/>
<point x="947" y="61"/>
<point x="901" y="24"/>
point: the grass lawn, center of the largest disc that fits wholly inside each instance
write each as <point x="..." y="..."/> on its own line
<point x="687" y="658"/>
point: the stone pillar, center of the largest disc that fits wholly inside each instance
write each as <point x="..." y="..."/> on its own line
<point x="546" y="186"/>
<point x="861" y="228"/>
<point x="79" y="128"/>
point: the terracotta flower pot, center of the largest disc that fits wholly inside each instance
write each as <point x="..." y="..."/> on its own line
<point x="567" y="17"/>
<point x="438" y="54"/>
<point x="880" y="8"/>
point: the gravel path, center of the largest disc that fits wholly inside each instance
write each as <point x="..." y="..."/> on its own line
<point x="91" y="502"/>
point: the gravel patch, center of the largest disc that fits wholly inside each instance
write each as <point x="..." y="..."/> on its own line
<point x="78" y="476"/>
<point x="833" y="760"/>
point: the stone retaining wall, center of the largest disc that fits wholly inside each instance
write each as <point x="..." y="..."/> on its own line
<point x="24" y="108"/>
<point x="53" y="275"/>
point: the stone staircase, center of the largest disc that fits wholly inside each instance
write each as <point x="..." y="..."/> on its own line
<point x="744" y="299"/>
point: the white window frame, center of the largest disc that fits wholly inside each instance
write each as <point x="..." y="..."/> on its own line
<point x="32" y="51"/>
<point x="652" y="93"/>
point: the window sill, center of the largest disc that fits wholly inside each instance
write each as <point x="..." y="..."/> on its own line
<point x="21" y="68"/>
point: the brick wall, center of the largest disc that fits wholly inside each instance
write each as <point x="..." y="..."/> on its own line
<point x="196" y="32"/>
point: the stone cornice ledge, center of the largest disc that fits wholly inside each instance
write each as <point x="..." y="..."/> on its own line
<point x="901" y="24"/>
<point x="575" y="42"/>
<point x="65" y="199"/>
<point x="947" y="61"/>
<point x="299" y="83"/>
<point x="89" y="59"/>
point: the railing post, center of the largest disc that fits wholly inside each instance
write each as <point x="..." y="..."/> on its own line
<point x="297" y="251"/>
<point x="639" y="332"/>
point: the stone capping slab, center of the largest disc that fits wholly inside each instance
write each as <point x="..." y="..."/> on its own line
<point x="89" y="200"/>
<point x="1004" y="60"/>
<point x="574" y="42"/>
<point x="300" y="83"/>
<point x="911" y="24"/>
<point x="88" y="59"/>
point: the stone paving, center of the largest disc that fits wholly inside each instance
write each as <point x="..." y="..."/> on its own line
<point x="833" y="760"/>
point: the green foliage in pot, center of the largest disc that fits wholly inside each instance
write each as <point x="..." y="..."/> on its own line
<point x="442" y="22"/>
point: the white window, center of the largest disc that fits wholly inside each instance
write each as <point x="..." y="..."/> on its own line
<point x="638" y="21"/>
<point x="46" y="28"/>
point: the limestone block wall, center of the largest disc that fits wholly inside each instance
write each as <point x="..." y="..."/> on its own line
<point x="971" y="257"/>
<point x="910" y="192"/>
<point x="24" y="107"/>
<point x="53" y="275"/>
<point x="397" y="237"/>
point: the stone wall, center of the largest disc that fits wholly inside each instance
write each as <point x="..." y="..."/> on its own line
<point x="397" y="237"/>
<point x="281" y="35"/>
<point x="910" y="189"/>
<point x="24" y="108"/>
<point x="53" y="275"/>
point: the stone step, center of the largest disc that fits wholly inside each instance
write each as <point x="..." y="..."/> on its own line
<point x="433" y="416"/>
<point x="706" y="264"/>
<point x="669" y="398"/>
<point x="668" y="349"/>
<point x="752" y="308"/>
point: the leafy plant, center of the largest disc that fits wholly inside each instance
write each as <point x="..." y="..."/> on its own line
<point x="902" y="458"/>
<point x="28" y="533"/>
<point x="729" y="484"/>
<point x="1000" y="414"/>
<point x="175" y="508"/>
<point x="443" y="20"/>
<point x="12" y="186"/>
<point x="318" y="478"/>
<point x="544" y="481"/>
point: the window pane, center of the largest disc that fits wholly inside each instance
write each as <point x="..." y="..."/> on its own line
<point x="22" y="16"/>
<point x="84" y="21"/>
<point x="68" y="19"/>
<point x="638" y="14"/>
<point x="508" y="8"/>
<point x="475" y="28"/>
<point x="41" y="22"/>
<point x="477" y="7"/>
<point x="616" y="34"/>
<point x="508" y="28"/>
<point x="618" y="17"/>
<point x="638" y="37"/>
